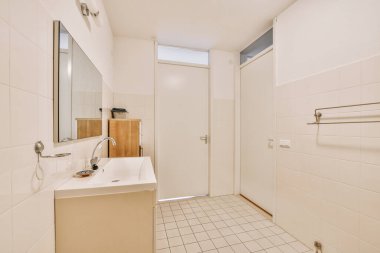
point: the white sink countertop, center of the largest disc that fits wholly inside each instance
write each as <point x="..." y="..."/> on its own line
<point x="114" y="176"/>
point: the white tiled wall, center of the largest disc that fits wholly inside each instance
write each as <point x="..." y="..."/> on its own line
<point x="134" y="84"/>
<point x="26" y="113"/>
<point x="222" y="119"/>
<point x="314" y="36"/>
<point x="328" y="182"/>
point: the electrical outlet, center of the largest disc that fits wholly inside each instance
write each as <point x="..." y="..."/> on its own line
<point x="285" y="144"/>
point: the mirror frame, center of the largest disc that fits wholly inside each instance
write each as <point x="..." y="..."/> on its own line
<point x="56" y="59"/>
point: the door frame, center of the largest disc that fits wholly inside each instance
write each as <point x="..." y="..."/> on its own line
<point x="156" y="116"/>
<point x="275" y="148"/>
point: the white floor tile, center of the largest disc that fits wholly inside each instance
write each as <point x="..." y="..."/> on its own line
<point x="239" y="248"/>
<point x="172" y="233"/>
<point x="255" y="234"/>
<point x="299" y="247"/>
<point x="253" y="246"/>
<point x="286" y="248"/>
<point x="220" y="242"/>
<point x="209" y="226"/>
<point x="193" y="222"/>
<point x="168" y="219"/>
<point x="162" y="243"/>
<point x="206" y="245"/>
<point x="244" y="237"/>
<point x="225" y="250"/>
<point x="232" y="239"/>
<point x="185" y="231"/>
<point x="178" y="249"/>
<point x="231" y="222"/>
<point x="276" y="240"/>
<point x="201" y="236"/>
<point x="193" y="248"/>
<point x="247" y="227"/>
<point x="214" y="234"/>
<point x="204" y="220"/>
<point x="226" y="231"/>
<point x="187" y="239"/>
<point x="182" y="224"/>
<point x="197" y="228"/>
<point x="167" y="250"/>
<point x="175" y="241"/>
<point x="265" y="243"/>
<point x="287" y="238"/>
<point x="170" y="225"/>
<point x="273" y="250"/>
<point x="225" y="224"/>
<point x="220" y="224"/>
<point x="160" y="227"/>
<point x="161" y="235"/>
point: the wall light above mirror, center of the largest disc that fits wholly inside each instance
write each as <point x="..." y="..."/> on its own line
<point x="77" y="90"/>
<point x="88" y="7"/>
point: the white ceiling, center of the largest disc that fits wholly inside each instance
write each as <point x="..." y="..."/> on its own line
<point x="202" y="24"/>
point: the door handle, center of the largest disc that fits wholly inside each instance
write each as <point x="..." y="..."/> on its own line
<point x="204" y="138"/>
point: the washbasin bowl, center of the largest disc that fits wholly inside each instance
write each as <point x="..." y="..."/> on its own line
<point x="114" y="176"/>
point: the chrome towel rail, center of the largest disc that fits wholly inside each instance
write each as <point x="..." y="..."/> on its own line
<point x="318" y="115"/>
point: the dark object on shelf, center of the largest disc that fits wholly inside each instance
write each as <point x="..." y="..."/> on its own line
<point x="119" y="113"/>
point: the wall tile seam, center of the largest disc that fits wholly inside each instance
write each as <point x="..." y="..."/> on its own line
<point x="48" y="53"/>
<point x="333" y="92"/>
<point x="8" y="12"/>
<point x="346" y="136"/>
<point x="334" y="157"/>
<point x="6" y="210"/>
<point x="31" y="93"/>
<point x="313" y="196"/>
<point x="27" y="198"/>
<point x="294" y="134"/>
<point x="36" y="44"/>
<point x="336" y="68"/>
<point x="4" y="84"/>
<point x="41" y="238"/>
<point x="311" y="94"/>
<point x="359" y="187"/>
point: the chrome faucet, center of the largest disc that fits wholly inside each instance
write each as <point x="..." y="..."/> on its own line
<point x="94" y="159"/>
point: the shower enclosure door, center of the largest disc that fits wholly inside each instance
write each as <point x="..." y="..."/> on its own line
<point x="182" y="129"/>
<point x="257" y="124"/>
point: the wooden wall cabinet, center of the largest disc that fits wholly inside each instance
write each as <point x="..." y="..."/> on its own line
<point x="126" y="133"/>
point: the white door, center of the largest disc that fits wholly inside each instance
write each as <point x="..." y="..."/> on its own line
<point x="257" y="123"/>
<point x="182" y="124"/>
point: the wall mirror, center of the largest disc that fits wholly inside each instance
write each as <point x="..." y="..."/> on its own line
<point x="77" y="90"/>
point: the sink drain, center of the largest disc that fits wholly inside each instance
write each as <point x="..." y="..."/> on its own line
<point x="115" y="181"/>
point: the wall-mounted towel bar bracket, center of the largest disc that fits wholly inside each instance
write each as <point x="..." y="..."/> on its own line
<point x="318" y="115"/>
<point x="39" y="147"/>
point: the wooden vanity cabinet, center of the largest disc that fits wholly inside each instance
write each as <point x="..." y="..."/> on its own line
<point x="126" y="133"/>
